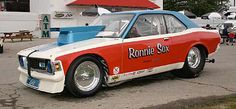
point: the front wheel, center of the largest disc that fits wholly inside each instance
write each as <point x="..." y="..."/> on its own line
<point x="194" y="63"/>
<point x="84" y="77"/>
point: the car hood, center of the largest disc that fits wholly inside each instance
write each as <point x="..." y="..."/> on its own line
<point x="52" y="50"/>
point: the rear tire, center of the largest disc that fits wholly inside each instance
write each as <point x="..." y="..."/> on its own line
<point x="85" y="77"/>
<point x="194" y="63"/>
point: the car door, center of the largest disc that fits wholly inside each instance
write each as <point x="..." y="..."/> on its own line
<point x="146" y="46"/>
<point x="181" y="39"/>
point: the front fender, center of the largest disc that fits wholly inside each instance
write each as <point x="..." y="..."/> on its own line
<point x="106" y="52"/>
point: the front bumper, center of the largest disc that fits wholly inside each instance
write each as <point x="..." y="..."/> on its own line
<point x="48" y="83"/>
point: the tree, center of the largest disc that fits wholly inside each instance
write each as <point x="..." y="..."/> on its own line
<point x="198" y="7"/>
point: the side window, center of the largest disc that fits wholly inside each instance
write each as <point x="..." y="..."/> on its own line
<point x="160" y="24"/>
<point x="173" y="24"/>
<point x="147" y="25"/>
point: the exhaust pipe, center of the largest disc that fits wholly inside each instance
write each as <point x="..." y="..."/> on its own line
<point x="210" y="60"/>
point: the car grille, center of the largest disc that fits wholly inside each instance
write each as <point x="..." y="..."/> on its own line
<point x="36" y="64"/>
<point x="40" y="64"/>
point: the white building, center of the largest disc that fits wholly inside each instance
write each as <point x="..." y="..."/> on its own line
<point x="233" y="2"/>
<point x="15" y="21"/>
<point x="159" y="3"/>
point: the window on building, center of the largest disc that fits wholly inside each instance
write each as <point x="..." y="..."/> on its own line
<point x="147" y="25"/>
<point x="15" y="5"/>
<point x="173" y="24"/>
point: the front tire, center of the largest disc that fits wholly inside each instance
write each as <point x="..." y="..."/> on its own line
<point x="194" y="63"/>
<point x="84" y="77"/>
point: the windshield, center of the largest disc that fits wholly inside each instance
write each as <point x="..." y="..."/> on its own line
<point x="114" y="24"/>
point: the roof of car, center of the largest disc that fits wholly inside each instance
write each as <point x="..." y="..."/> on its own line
<point x="184" y="19"/>
<point x="146" y="11"/>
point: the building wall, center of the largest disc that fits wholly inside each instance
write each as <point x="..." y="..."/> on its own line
<point x="60" y="5"/>
<point x="40" y="6"/>
<point x="50" y="6"/>
<point x="232" y="3"/>
<point x="159" y="3"/>
<point x="16" y="21"/>
<point x="30" y="21"/>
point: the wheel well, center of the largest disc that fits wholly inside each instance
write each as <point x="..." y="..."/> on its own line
<point x="202" y="47"/>
<point x="93" y="55"/>
<point x="104" y="64"/>
<point x="101" y="59"/>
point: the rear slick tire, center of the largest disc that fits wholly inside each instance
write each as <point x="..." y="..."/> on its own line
<point x="194" y="63"/>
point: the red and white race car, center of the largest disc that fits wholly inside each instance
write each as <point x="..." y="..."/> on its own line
<point x="118" y="47"/>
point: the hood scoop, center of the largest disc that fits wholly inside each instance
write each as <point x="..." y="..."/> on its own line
<point x="70" y="35"/>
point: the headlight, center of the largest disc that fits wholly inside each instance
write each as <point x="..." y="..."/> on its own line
<point x="23" y="62"/>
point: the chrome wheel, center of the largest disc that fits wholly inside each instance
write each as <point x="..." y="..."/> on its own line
<point x="87" y="76"/>
<point x="194" y="57"/>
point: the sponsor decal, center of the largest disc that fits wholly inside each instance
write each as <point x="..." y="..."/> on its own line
<point x="134" y="73"/>
<point x="149" y="51"/>
<point x="140" y="72"/>
<point x="63" y="15"/>
<point x="145" y="61"/>
<point x="116" y="70"/>
<point x="150" y="70"/>
<point x="114" y="78"/>
<point x="59" y="15"/>
<point x="130" y="74"/>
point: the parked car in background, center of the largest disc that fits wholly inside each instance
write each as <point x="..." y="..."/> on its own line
<point x="1" y="45"/>
<point x="115" y="48"/>
<point x="229" y="23"/>
<point x="232" y="16"/>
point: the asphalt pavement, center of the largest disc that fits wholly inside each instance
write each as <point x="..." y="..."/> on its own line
<point x="216" y="80"/>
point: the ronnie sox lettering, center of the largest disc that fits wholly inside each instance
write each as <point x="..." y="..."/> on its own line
<point x="149" y="51"/>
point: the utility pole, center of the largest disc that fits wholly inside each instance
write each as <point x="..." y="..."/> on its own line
<point x="234" y="2"/>
<point x="5" y="4"/>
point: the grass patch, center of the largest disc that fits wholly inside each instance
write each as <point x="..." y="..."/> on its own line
<point x="212" y="102"/>
<point x="228" y="102"/>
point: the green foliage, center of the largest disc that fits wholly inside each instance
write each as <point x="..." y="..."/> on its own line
<point x="198" y="7"/>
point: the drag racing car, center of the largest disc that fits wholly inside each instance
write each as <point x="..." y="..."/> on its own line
<point x="115" y="48"/>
